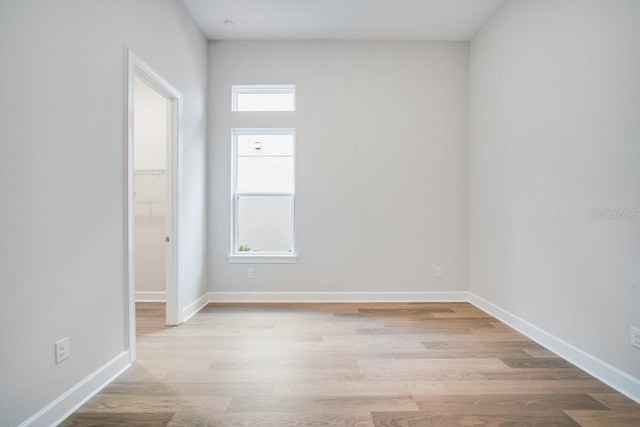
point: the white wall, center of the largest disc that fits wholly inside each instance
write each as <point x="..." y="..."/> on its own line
<point x="150" y="186"/>
<point x="149" y="127"/>
<point x="381" y="166"/>
<point x="62" y="169"/>
<point x="555" y="131"/>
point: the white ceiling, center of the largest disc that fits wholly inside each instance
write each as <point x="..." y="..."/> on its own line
<point x="452" y="20"/>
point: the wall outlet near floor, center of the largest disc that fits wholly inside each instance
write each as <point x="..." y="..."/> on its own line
<point x="635" y="337"/>
<point x="62" y="349"/>
<point x="439" y="272"/>
<point x="251" y="274"/>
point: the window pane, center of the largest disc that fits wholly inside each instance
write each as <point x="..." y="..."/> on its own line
<point x="264" y="224"/>
<point x="265" y="175"/>
<point x="265" y="102"/>
<point x="270" y="145"/>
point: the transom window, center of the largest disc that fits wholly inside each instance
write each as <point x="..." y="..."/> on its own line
<point x="263" y="98"/>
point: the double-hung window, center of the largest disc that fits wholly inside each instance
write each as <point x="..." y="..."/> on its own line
<point x="263" y="195"/>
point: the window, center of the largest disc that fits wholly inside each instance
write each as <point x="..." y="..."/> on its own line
<point x="263" y="191"/>
<point x="263" y="98"/>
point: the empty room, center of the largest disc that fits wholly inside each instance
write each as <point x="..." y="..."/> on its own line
<point x="320" y="213"/>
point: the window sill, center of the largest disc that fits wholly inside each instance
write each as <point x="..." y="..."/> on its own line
<point x="263" y="259"/>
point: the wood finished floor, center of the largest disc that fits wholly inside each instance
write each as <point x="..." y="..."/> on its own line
<point x="376" y="365"/>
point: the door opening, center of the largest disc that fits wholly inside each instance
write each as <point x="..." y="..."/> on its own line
<point x="150" y="192"/>
<point x="153" y="123"/>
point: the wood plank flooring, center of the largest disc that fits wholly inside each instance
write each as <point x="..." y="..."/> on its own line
<point x="364" y="365"/>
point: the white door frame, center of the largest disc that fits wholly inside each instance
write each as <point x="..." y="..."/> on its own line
<point x="136" y="67"/>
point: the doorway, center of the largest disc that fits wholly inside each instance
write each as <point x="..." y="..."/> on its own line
<point x="150" y="192"/>
<point x="153" y="141"/>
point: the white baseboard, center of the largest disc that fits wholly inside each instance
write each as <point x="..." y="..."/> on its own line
<point x="338" y="296"/>
<point x="147" y="296"/>
<point x="68" y="402"/>
<point x="195" y="306"/>
<point x="610" y="375"/>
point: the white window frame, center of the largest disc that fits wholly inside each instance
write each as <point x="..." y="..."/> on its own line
<point x="259" y="257"/>
<point x="261" y="89"/>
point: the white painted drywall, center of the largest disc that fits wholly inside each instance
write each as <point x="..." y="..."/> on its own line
<point x="554" y="134"/>
<point x="149" y="127"/>
<point x="381" y="163"/>
<point x="149" y="158"/>
<point x="62" y="180"/>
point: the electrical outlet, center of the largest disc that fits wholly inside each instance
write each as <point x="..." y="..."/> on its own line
<point x="251" y="274"/>
<point x="62" y="349"/>
<point x="439" y="272"/>
<point x="635" y="337"/>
